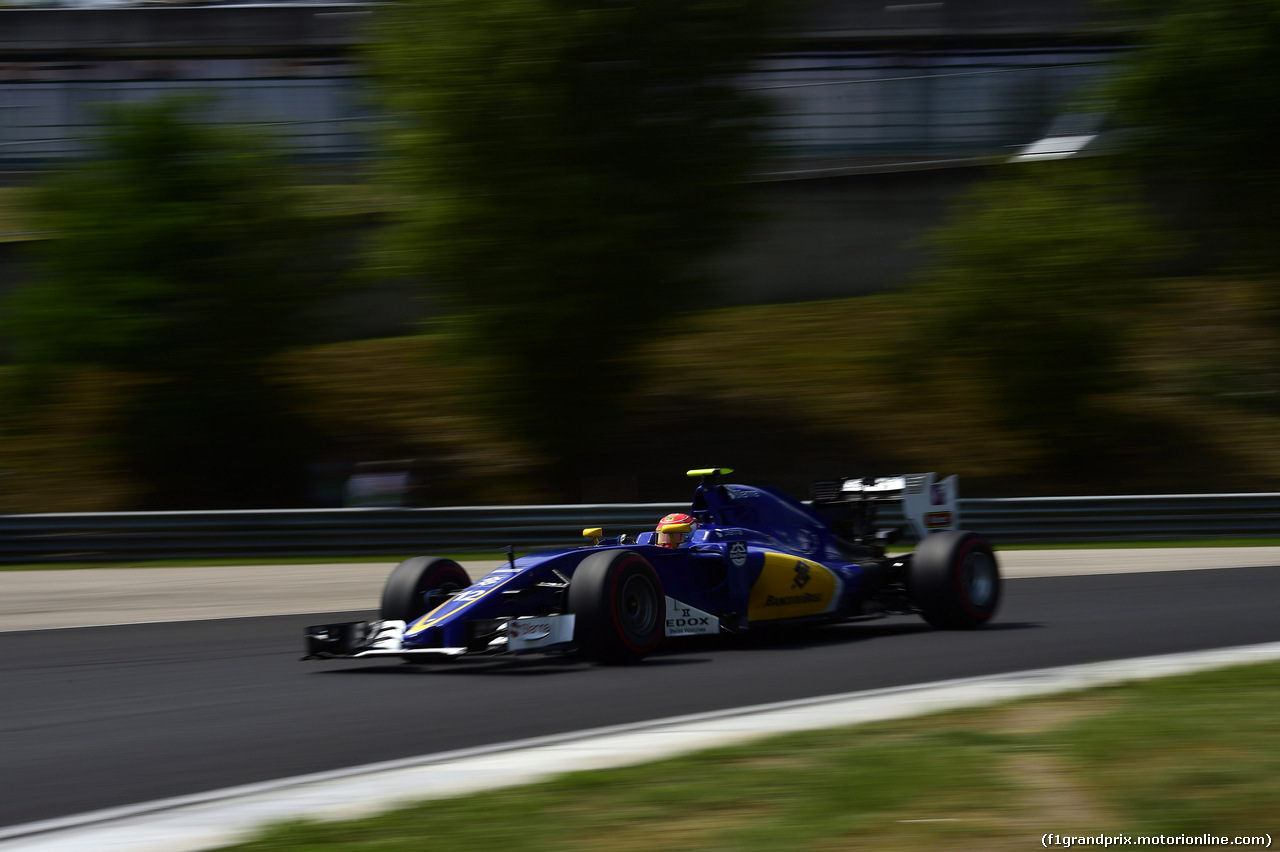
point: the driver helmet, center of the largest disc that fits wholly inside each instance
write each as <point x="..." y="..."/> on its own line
<point x="673" y="528"/>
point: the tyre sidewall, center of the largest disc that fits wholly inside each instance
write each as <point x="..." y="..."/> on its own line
<point x="937" y="579"/>
<point x="404" y="595"/>
<point x="599" y="593"/>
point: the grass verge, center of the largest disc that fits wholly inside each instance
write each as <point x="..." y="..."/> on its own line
<point x="1197" y="754"/>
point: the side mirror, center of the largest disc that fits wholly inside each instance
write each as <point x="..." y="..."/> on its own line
<point x="595" y="534"/>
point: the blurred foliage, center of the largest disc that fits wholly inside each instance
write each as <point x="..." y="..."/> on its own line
<point x="1045" y="285"/>
<point x="13" y="224"/>
<point x="182" y="257"/>
<point x="567" y="161"/>
<point x="795" y="392"/>
<point x="58" y="456"/>
<point x="778" y="390"/>
<point x="1202" y="99"/>
<point x="559" y="171"/>
<point x="1041" y="277"/>
<point x="405" y="398"/>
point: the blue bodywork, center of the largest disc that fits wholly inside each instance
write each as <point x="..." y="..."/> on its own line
<point x="757" y="555"/>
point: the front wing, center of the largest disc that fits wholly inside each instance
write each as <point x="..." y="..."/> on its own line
<point x="516" y="635"/>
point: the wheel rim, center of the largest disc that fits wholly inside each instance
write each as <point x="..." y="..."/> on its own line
<point x="425" y="604"/>
<point x="978" y="579"/>
<point x="638" y="607"/>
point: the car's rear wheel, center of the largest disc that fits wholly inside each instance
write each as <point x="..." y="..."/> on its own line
<point x="954" y="580"/>
<point x="418" y="585"/>
<point x="618" y="606"/>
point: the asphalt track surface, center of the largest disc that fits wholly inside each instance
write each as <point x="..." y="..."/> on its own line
<point x="103" y="716"/>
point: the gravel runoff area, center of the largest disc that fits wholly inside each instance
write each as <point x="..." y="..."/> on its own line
<point x="36" y="600"/>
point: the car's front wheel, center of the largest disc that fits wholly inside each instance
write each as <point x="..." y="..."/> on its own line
<point x="954" y="580"/>
<point x="418" y="585"/>
<point x="618" y="606"/>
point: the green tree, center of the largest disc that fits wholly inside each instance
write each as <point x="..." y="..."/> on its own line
<point x="1039" y="279"/>
<point x="1201" y="101"/>
<point x="568" y="164"/>
<point x="181" y="254"/>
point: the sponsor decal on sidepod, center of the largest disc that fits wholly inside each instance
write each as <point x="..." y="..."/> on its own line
<point x="684" y="620"/>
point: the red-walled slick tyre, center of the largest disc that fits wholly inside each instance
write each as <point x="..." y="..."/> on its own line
<point x="954" y="580"/>
<point x="414" y="587"/>
<point x="618" y="606"/>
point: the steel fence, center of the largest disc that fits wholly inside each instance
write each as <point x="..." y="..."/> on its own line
<point x="1168" y="517"/>
<point x="142" y="536"/>
<point x="44" y="123"/>
<point x="132" y="536"/>
<point x="849" y="104"/>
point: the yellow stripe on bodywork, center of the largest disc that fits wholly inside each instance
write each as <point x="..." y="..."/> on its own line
<point x="481" y="589"/>
<point x="789" y="586"/>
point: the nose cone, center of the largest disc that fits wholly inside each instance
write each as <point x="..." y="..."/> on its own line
<point x="428" y="637"/>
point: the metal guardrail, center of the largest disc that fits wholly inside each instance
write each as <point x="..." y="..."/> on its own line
<point x="1125" y="518"/>
<point x="141" y="536"/>
<point x="129" y="536"/>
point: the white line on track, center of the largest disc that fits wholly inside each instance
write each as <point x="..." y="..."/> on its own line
<point x="222" y="817"/>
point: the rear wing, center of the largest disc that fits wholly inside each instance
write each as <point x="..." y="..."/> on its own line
<point x="928" y="503"/>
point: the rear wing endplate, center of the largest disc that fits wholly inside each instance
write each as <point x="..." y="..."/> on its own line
<point x="928" y="503"/>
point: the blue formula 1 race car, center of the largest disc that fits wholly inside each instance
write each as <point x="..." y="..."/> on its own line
<point x="742" y="558"/>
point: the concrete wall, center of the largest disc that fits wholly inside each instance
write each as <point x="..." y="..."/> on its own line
<point x="874" y="90"/>
<point x="841" y="236"/>
<point x="851" y="80"/>
<point x="286" y="30"/>
<point x="816" y="239"/>
<point x="970" y="19"/>
<point x="296" y="28"/>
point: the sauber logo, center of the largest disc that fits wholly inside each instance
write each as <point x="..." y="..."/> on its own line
<point x="738" y="553"/>
<point x="802" y="576"/>
<point x="530" y="629"/>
